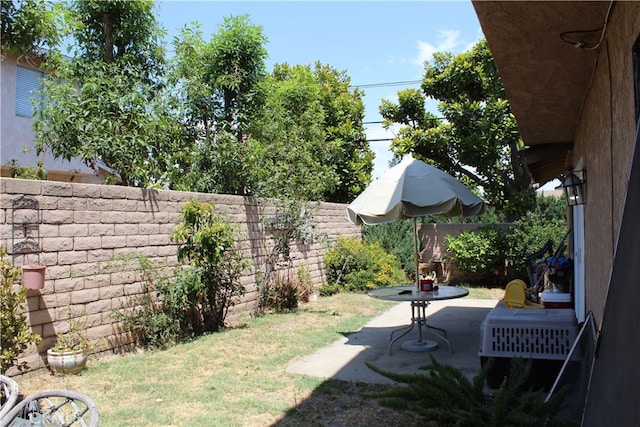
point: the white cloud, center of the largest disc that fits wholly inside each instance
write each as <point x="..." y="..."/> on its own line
<point x="447" y="41"/>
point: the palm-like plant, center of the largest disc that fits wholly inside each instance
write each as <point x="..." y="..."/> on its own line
<point x="447" y="397"/>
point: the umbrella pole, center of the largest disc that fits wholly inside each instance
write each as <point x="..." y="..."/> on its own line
<point x="416" y="254"/>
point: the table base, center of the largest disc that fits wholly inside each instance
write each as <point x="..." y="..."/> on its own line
<point x="417" y="345"/>
<point x="419" y="318"/>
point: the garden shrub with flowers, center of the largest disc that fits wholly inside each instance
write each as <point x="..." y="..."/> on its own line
<point x="356" y="266"/>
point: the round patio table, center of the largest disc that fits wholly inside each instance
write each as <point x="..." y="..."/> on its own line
<point x="419" y="302"/>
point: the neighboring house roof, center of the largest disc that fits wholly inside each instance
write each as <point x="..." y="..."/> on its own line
<point x="545" y="76"/>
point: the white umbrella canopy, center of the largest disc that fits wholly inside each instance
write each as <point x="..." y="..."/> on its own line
<point x="413" y="189"/>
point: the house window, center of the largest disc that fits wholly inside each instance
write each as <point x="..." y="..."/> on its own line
<point x="27" y="82"/>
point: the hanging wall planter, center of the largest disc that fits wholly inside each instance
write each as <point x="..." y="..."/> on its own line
<point x="25" y="239"/>
<point x="33" y="276"/>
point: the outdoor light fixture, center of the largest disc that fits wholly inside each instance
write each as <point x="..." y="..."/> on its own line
<point x="574" y="188"/>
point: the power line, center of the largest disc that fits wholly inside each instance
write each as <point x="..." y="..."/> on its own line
<point x="427" y="118"/>
<point x="380" y="140"/>
<point x="403" y="83"/>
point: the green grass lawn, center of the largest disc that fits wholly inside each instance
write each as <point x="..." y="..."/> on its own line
<point x="232" y="378"/>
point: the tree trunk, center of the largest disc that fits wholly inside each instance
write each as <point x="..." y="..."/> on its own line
<point x="108" y="38"/>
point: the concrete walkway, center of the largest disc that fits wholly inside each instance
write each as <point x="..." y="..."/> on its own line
<point x="345" y="358"/>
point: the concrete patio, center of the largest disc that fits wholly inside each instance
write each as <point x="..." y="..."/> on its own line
<point x="345" y="358"/>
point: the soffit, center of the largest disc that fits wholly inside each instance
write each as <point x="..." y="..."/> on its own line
<point x="546" y="78"/>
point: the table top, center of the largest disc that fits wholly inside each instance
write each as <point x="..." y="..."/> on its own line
<point x="411" y="293"/>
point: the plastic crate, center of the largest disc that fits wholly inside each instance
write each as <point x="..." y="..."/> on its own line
<point x="528" y="333"/>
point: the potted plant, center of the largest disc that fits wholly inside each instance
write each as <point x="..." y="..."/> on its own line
<point x="69" y="354"/>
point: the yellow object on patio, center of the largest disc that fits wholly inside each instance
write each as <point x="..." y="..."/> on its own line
<point x="515" y="296"/>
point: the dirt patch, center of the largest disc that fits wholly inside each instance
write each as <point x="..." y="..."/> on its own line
<point x="340" y="403"/>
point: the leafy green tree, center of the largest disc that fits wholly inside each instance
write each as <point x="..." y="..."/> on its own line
<point x="218" y="85"/>
<point x="530" y="232"/>
<point x="30" y="26"/>
<point x="293" y="117"/>
<point x="351" y="157"/>
<point x="120" y="31"/>
<point x="313" y="110"/>
<point x="107" y="104"/>
<point x="477" y="138"/>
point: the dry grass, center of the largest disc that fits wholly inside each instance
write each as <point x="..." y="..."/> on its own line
<point x="486" y="293"/>
<point x="236" y="377"/>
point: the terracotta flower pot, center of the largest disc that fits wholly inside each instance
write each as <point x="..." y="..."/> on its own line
<point x="66" y="362"/>
<point x="33" y="276"/>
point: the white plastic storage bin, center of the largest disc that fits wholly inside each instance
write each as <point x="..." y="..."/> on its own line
<point x="528" y="333"/>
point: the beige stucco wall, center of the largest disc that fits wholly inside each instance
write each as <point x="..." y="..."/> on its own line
<point x="604" y="142"/>
<point x="85" y="228"/>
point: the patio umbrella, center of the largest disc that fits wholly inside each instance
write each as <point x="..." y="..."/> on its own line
<point x="412" y="189"/>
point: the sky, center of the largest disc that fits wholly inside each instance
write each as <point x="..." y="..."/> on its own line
<point x="374" y="42"/>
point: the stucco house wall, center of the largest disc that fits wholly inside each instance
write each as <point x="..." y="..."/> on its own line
<point x="605" y="141"/>
<point x="569" y="72"/>
<point x="17" y="139"/>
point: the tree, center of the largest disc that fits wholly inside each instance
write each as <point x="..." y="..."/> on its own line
<point x="219" y="86"/>
<point x="30" y="26"/>
<point x="107" y="104"/>
<point x="114" y="31"/>
<point x="313" y="110"/>
<point x="293" y="117"/>
<point x="351" y="156"/>
<point x="477" y="140"/>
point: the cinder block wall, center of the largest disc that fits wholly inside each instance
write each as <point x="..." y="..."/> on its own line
<point x="87" y="232"/>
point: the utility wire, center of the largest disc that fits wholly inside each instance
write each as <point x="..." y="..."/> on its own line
<point x="429" y="118"/>
<point x="388" y="84"/>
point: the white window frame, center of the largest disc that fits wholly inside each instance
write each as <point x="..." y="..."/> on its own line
<point x="579" y="293"/>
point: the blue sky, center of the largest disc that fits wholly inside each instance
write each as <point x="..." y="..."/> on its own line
<point x="374" y="42"/>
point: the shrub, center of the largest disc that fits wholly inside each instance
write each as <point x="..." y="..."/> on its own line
<point x="481" y="252"/>
<point x="157" y="318"/>
<point x="285" y="290"/>
<point x="357" y="266"/>
<point x="395" y="238"/>
<point x="197" y="299"/>
<point x="206" y="241"/>
<point x="291" y="223"/>
<point x="15" y="334"/>
<point x="530" y="233"/>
